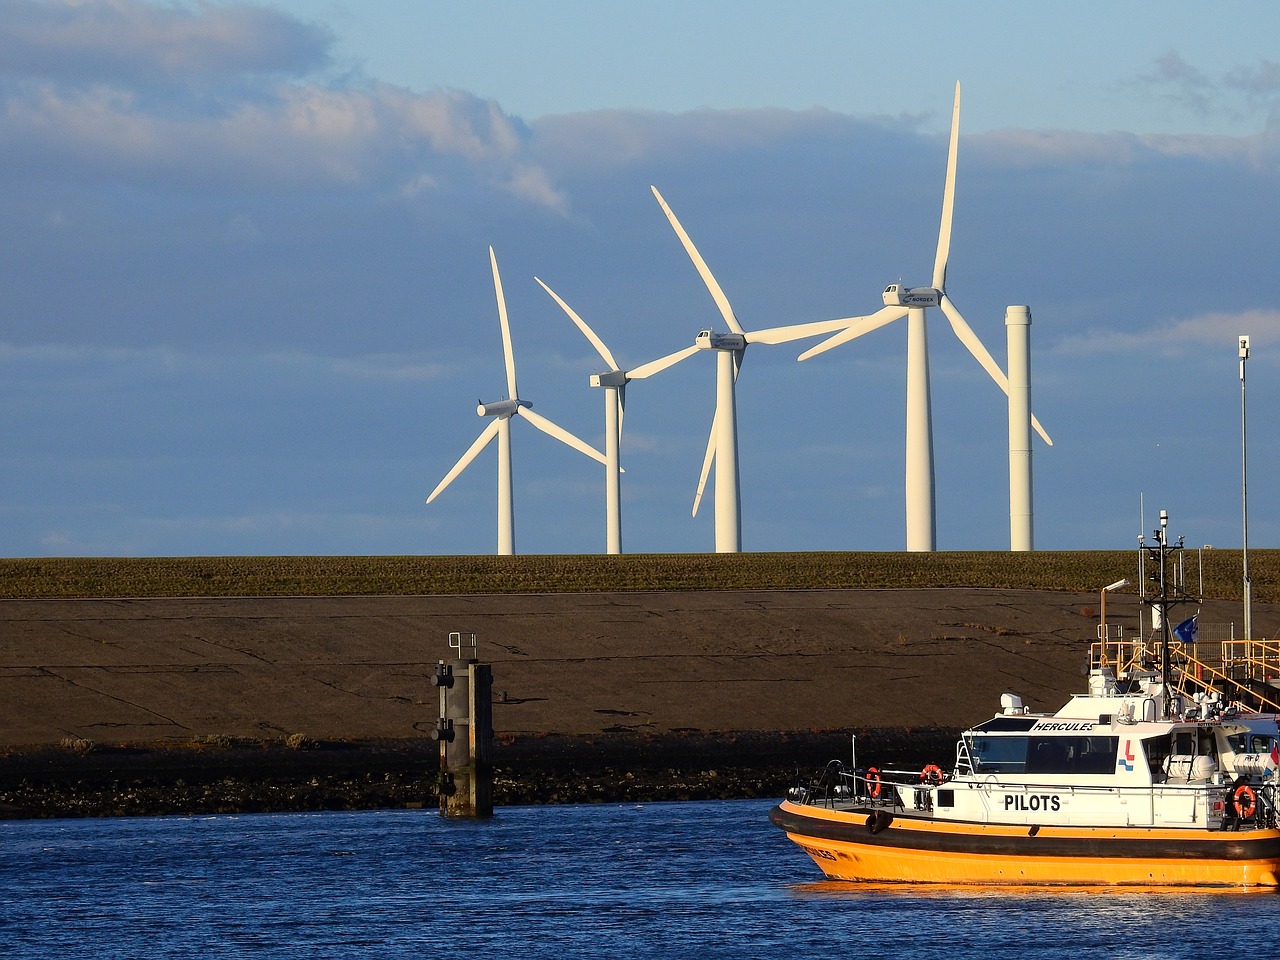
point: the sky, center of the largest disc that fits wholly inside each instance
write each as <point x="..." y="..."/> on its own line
<point x="247" y="306"/>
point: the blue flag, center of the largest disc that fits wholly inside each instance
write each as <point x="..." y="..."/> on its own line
<point x="1186" y="631"/>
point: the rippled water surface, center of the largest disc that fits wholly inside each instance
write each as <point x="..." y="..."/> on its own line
<point x="696" y="880"/>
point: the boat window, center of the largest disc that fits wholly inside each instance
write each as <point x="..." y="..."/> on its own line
<point x="1250" y="743"/>
<point x="1157" y="751"/>
<point x="1071" y="754"/>
<point x="1045" y="754"/>
<point x="999" y="754"/>
<point x="1008" y="723"/>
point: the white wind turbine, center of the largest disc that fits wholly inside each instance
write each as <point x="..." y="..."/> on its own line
<point x="500" y="427"/>
<point x="722" y="445"/>
<point x="911" y="302"/>
<point x="614" y="381"/>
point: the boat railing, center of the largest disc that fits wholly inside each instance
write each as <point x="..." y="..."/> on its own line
<point x="1126" y="657"/>
<point x="835" y="784"/>
<point x="872" y="787"/>
<point x="1245" y="673"/>
<point x="1253" y="660"/>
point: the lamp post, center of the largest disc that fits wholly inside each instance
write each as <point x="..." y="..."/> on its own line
<point x="1244" y="496"/>
<point x="1102" y="624"/>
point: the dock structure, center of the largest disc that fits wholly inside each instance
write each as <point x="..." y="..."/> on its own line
<point x="464" y="731"/>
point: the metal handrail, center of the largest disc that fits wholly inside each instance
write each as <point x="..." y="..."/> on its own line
<point x="1257" y="660"/>
<point x="824" y="793"/>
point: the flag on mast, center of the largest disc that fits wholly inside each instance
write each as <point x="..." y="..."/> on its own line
<point x="1186" y="631"/>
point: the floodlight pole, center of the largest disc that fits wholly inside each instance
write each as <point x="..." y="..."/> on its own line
<point x="1244" y="496"/>
<point x="1104" y="634"/>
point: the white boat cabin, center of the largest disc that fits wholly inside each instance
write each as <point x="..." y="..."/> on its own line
<point x="1103" y="759"/>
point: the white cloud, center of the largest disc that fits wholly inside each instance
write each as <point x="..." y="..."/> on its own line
<point x="1028" y="149"/>
<point x="99" y="88"/>
<point x="166" y="362"/>
<point x="1237" y="93"/>
<point x="68" y="355"/>
<point x="135" y="41"/>
<point x="388" y="368"/>
<point x="378" y="136"/>
<point x="1179" y="338"/>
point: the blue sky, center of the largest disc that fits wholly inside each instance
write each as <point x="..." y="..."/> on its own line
<point x="247" y="304"/>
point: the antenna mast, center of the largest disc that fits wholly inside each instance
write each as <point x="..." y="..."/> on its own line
<point x="1244" y="497"/>
<point x="1160" y="559"/>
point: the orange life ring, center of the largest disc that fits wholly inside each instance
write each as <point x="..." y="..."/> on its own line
<point x="932" y="774"/>
<point x="873" y="782"/>
<point x="1244" y="801"/>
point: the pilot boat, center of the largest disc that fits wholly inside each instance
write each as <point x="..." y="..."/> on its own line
<point x="1165" y="771"/>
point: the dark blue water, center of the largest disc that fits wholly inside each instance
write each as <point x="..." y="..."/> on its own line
<point x="688" y="880"/>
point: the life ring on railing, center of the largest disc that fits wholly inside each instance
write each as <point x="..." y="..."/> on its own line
<point x="1244" y="801"/>
<point x="873" y="782"/>
<point x="932" y="774"/>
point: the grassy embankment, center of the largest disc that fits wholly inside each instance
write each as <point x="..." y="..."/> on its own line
<point x="1085" y="570"/>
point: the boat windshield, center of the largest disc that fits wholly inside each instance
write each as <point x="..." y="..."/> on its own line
<point x="1044" y="754"/>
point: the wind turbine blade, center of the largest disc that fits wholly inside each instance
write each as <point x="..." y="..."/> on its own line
<point x="857" y="328"/>
<point x="622" y="406"/>
<point x="560" y="433"/>
<point x="512" y="393"/>
<point x="582" y="325"/>
<point x="1040" y="430"/>
<point x="704" y="271"/>
<point x="487" y="434"/>
<point x="964" y="333"/>
<point x="706" y="463"/>
<point x="798" y="331"/>
<point x="657" y="366"/>
<point x="948" y="200"/>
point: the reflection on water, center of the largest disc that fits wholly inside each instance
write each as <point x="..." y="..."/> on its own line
<point x="841" y="889"/>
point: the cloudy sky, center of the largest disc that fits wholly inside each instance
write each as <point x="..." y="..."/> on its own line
<point x="247" y="305"/>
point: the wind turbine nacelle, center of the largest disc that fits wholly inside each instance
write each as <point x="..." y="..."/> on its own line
<point x="611" y="378"/>
<point x="501" y="408"/>
<point x="710" y="340"/>
<point x="896" y="295"/>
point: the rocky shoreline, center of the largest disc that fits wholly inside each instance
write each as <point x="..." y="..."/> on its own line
<point x="236" y="777"/>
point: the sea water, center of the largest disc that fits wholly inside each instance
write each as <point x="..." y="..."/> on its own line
<point x="688" y="880"/>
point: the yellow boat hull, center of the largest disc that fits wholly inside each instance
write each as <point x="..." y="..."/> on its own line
<point x="874" y="845"/>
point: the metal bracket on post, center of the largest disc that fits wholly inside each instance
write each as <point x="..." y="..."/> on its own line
<point x="462" y="641"/>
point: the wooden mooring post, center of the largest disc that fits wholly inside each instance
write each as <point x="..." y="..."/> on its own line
<point x="465" y="731"/>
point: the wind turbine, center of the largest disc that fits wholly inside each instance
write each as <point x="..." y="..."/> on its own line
<point x="722" y="445"/>
<point x="500" y="427"/>
<point x="912" y="302"/>
<point x="614" y="381"/>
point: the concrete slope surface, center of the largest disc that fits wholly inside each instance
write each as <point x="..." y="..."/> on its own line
<point x="172" y="670"/>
